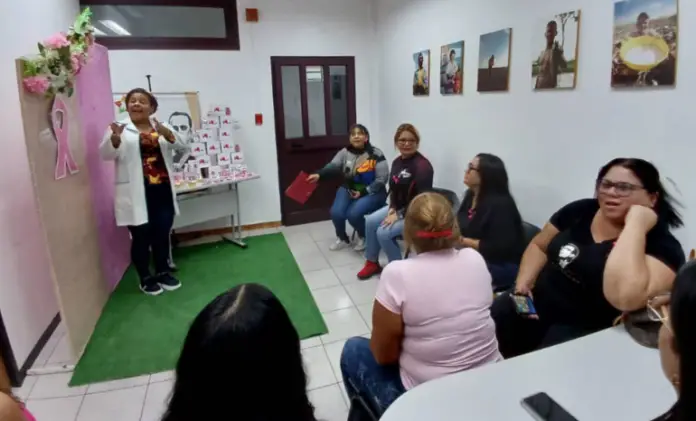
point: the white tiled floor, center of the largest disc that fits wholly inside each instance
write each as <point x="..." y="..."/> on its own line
<point x="345" y="303"/>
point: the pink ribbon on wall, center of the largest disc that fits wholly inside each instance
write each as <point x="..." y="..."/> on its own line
<point x="59" y="118"/>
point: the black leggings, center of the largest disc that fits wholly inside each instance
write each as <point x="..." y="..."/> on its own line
<point x="155" y="233"/>
<point x="518" y="335"/>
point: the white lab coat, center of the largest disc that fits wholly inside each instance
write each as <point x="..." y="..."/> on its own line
<point x="129" y="201"/>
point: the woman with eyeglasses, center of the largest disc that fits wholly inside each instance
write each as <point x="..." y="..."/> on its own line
<point x="677" y="343"/>
<point x="489" y="219"/>
<point x="593" y="260"/>
<point x="411" y="174"/>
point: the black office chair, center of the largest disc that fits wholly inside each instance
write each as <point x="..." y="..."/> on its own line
<point x="530" y="231"/>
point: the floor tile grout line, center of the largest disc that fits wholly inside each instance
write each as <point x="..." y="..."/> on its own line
<point x="79" y="408"/>
<point x="101" y="392"/>
<point x="142" y="408"/>
<point x="329" y="361"/>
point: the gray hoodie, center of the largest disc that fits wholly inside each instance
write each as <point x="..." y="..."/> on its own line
<point x="365" y="171"/>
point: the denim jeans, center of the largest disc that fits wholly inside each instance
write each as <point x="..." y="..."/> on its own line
<point x="154" y="235"/>
<point x="382" y="238"/>
<point x="354" y="210"/>
<point x="503" y="274"/>
<point x="379" y="385"/>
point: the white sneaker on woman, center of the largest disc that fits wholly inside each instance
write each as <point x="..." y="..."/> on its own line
<point x="359" y="244"/>
<point x="338" y="245"/>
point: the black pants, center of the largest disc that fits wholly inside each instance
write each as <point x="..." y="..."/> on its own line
<point x="519" y="335"/>
<point x="155" y="234"/>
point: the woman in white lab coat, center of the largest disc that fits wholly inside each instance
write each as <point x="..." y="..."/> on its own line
<point x="145" y="199"/>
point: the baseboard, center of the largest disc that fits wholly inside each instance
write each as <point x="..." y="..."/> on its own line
<point x="17" y="377"/>
<point x="193" y="235"/>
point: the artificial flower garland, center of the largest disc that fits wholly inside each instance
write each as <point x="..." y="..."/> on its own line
<point x="60" y="59"/>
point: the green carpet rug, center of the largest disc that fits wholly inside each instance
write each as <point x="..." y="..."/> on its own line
<point x="138" y="335"/>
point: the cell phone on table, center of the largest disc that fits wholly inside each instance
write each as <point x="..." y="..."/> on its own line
<point x="524" y="304"/>
<point x="542" y="408"/>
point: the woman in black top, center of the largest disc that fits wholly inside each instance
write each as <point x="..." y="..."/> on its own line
<point x="678" y="343"/>
<point x="594" y="259"/>
<point x="489" y="220"/>
<point x="411" y="174"/>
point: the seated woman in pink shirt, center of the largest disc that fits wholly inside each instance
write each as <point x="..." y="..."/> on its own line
<point x="431" y="314"/>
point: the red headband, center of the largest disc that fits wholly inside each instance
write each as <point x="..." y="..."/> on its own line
<point x="434" y="234"/>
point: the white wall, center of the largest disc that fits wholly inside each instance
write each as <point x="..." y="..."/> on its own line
<point x="553" y="143"/>
<point x="27" y="297"/>
<point x="242" y="78"/>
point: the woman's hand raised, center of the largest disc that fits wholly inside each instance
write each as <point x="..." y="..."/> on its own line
<point x="116" y="130"/>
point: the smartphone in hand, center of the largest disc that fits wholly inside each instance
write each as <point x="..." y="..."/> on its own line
<point x="524" y="305"/>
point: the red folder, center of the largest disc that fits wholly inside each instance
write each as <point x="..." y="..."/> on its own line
<point x="301" y="190"/>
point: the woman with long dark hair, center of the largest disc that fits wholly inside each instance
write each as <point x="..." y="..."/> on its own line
<point x="593" y="260"/>
<point x="677" y="342"/>
<point x="241" y="357"/>
<point x="489" y="219"/>
<point x="364" y="171"/>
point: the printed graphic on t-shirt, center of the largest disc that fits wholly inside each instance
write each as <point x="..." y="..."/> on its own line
<point x="567" y="254"/>
<point x="154" y="168"/>
<point x="403" y="175"/>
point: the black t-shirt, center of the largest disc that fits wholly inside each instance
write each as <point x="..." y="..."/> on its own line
<point x="569" y="289"/>
<point x="408" y="178"/>
<point x="497" y="224"/>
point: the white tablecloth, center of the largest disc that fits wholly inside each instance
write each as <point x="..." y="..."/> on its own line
<point x="604" y="376"/>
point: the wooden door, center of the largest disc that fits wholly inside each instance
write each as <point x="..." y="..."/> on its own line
<point x="314" y="106"/>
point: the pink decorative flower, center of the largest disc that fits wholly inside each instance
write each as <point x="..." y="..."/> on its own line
<point x="36" y="84"/>
<point x="56" y="41"/>
<point x="77" y="60"/>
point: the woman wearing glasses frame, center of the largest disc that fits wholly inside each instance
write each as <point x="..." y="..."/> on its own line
<point x="677" y="343"/>
<point x="593" y="260"/>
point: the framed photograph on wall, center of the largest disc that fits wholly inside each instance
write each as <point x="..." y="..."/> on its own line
<point x="421" y="74"/>
<point x="646" y="35"/>
<point x="494" y="61"/>
<point x="555" y="51"/>
<point x="452" y="68"/>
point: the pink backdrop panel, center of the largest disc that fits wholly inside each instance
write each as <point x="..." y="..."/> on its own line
<point x="96" y="113"/>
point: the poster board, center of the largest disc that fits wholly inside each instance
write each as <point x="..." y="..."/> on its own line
<point x="180" y="109"/>
<point x="96" y="113"/>
<point x="65" y="213"/>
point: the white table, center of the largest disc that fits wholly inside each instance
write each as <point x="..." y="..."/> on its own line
<point x="215" y="202"/>
<point x="604" y="376"/>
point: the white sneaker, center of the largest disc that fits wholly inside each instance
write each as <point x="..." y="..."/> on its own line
<point x="359" y="244"/>
<point x="338" y="245"/>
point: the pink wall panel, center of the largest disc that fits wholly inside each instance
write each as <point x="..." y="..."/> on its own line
<point x="96" y="113"/>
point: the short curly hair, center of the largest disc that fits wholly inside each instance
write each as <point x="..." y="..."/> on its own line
<point x="153" y="101"/>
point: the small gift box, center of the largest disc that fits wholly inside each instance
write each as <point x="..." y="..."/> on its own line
<point x="237" y="158"/>
<point x="207" y="135"/>
<point x="223" y="158"/>
<point x="192" y="177"/>
<point x="225" y="132"/>
<point x="198" y="149"/>
<point x="203" y="161"/>
<point x="219" y="110"/>
<point x="214" y="172"/>
<point x="213" y="148"/>
<point x="210" y="123"/>
<point x="177" y="178"/>
<point x="227" y="146"/>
